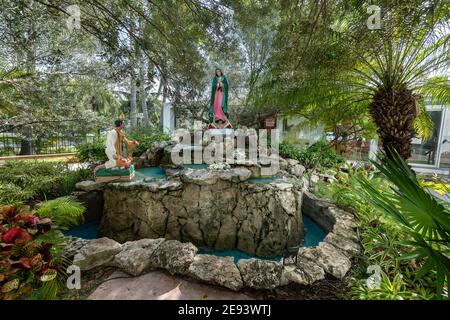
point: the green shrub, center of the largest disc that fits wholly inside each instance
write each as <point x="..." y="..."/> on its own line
<point x="94" y="151"/>
<point x="397" y="289"/>
<point x="318" y="155"/>
<point x="25" y="180"/>
<point x="64" y="212"/>
<point x="13" y="194"/>
<point x="146" y="137"/>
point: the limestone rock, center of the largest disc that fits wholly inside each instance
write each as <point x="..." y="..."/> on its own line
<point x="89" y="185"/>
<point x="317" y="210"/>
<point x="174" y="172"/>
<point x="156" y="151"/>
<point x="216" y="270"/>
<point x="339" y="214"/>
<point x="306" y="273"/>
<point x="281" y="185"/>
<point x="200" y="177"/>
<point x="305" y="183"/>
<point x="348" y="247"/>
<point x="241" y="174"/>
<point x="174" y="256"/>
<point x="297" y="170"/>
<point x="258" y="218"/>
<point x="315" y="178"/>
<point x="288" y="202"/>
<point x="148" y="244"/>
<point x="74" y="245"/>
<point x="227" y="234"/>
<point x="226" y="175"/>
<point x="171" y="185"/>
<point x="292" y="162"/>
<point x="342" y="229"/>
<point x="133" y="261"/>
<point x="245" y="162"/>
<point x="93" y="201"/>
<point x="331" y="259"/>
<point x="283" y="164"/>
<point x="260" y="274"/>
<point x="255" y="171"/>
<point x="96" y="253"/>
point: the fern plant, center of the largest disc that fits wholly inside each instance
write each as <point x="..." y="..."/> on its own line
<point x="66" y="213"/>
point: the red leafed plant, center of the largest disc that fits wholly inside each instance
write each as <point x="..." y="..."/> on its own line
<point x="23" y="259"/>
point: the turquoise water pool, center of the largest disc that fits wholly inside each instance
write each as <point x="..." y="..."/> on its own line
<point x="86" y="231"/>
<point x="313" y="232"/>
<point x="159" y="173"/>
<point x="313" y="235"/>
<point x="153" y="172"/>
<point x="261" y="180"/>
<point x="235" y="254"/>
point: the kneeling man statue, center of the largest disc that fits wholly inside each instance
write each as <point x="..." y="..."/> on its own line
<point x="117" y="165"/>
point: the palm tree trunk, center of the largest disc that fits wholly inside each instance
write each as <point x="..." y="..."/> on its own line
<point x="394" y="111"/>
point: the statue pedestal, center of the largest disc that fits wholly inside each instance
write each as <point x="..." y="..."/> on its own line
<point x="224" y="132"/>
<point x="115" y="175"/>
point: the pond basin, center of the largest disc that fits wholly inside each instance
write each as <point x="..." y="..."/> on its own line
<point x="224" y="212"/>
<point x="313" y="235"/>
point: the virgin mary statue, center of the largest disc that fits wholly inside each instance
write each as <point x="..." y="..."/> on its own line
<point x="218" y="106"/>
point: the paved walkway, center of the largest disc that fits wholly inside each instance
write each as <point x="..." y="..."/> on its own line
<point x="160" y="285"/>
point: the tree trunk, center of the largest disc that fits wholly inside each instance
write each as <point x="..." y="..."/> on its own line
<point x="143" y="96"/>
<point x="26" y="147"/>
<point x="142" y="64"/>
<point x="133" y="111"/>
<point x="133" y="101"/>
<point x="394" y="111"/>
<point x="161" y="119"/>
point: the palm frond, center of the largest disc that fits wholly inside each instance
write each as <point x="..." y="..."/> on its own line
<point x="437" y="90"/>
<point x="423" y="124"/>
<point x="421" y="216"/>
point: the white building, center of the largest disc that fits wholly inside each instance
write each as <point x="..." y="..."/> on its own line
<point x="433" y="155"/>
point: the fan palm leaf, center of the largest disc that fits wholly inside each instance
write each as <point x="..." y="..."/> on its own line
<point x="421" y="216"/>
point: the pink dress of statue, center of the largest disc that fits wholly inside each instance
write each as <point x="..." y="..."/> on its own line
<point x="219" y="115"/>
<point x="218" y="112"/>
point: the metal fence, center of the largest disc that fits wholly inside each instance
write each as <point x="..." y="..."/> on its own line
<point x="14" y="142"/>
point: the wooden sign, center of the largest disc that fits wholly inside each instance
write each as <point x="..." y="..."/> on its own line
<point x="270" y="122"/>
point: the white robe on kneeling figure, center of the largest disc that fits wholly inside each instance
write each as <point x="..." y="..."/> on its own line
<point x="110" y="150"/>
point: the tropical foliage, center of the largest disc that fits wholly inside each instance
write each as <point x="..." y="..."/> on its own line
<point x="65" y="213"/>
<point x="398" y="229"/>
<point x="319" y="155"/>
<point x="92" y="151"/>
<point x="22" y="181"/>
<point x="95" y="151"/>
<point x="31" y="261"/>
<point x="339" y="71"/>
<point x="146" y="138"/>
<point x="424" y="220"/>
